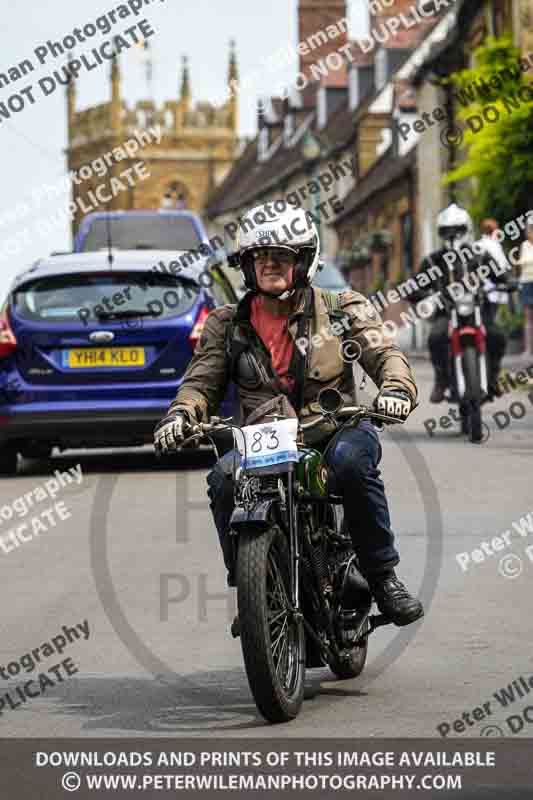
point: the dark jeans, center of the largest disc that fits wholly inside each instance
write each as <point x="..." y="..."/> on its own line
<point x="438" y="343"/>
<point x="353" y="466"/>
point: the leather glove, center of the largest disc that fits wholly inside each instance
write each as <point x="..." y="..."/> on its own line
<point x="170" y="433"/>
<point x="393" y="403"/>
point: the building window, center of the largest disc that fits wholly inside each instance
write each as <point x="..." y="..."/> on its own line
<point x="406" y="226"/>
<point x="175" y="196"/>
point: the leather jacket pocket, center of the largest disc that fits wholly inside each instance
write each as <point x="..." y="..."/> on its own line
<point x="326" y="364"/>
<point x="249" y="373"/>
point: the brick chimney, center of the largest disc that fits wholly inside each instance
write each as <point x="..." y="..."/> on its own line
<point x="413" y="25"/>
<point x="322" y="29"/>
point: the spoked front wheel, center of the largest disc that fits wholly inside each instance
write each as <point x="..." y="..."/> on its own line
<point x="272" y="639"/>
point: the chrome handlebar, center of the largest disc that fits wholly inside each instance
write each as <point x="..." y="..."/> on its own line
<point x="202" y="429"/>
<point x="216" y="424"/>
<point x="361" y="412"/>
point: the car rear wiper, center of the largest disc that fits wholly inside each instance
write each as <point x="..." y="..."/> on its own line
<point x="133" y="312"/>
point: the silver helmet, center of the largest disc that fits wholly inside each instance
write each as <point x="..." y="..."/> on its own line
<point x="454" y="226"/>
<point x="291" y="230"/>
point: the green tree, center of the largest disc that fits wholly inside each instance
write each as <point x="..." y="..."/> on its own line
<point x="499" y="153"/>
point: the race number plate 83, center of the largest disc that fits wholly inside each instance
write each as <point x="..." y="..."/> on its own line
<point x="268" y="444"/>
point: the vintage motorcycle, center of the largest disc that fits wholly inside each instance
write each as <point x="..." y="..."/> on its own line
<point x="302" y="601"/>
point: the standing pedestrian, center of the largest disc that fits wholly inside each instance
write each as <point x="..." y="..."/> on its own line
<point x="490" y="247"/>
<point x="526" y="285"/>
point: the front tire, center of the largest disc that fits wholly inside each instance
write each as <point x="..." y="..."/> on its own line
<point x="473" y="394"/>
<point x="273" y="643"/>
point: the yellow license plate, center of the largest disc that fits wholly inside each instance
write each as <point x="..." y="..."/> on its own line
<point x="87" y="357"/>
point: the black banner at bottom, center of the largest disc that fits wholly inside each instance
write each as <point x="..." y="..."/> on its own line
<point x="259" y="768"/>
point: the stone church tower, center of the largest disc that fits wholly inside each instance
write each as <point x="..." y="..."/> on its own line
<point x="197" y="148"/>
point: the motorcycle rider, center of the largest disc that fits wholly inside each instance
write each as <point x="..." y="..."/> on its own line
<point x="267" y="345"/>
<point x="455" y="228"/>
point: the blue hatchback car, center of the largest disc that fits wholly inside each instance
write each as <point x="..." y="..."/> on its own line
<point x="141" y="229"/>
<point x="93" y="347"/>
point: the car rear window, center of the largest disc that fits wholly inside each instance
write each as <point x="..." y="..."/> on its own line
<point x="142" y="233"/>
<point x="89" y="297"/>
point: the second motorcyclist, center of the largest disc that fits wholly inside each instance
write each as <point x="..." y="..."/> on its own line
<point x="455" y="228"/>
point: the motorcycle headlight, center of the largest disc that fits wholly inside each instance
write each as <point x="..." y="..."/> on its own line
<point x="465" y="306"/>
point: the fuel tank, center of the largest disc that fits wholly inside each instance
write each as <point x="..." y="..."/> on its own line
<point x="311" y="474"/>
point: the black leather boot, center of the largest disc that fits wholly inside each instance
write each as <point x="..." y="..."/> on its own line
<point x="441" y="382"/>
<point x="437" y="393"/>
<point x="393" y="599"/>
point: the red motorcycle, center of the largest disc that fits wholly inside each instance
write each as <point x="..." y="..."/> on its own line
<point x="469" y="367"/>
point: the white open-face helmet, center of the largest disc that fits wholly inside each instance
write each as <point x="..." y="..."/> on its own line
<point x="454" y="226"/>
<point x="290" y="229"/>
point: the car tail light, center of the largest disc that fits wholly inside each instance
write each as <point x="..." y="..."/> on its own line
<point x="8" y="343"/>
<point x="198" y="326"/>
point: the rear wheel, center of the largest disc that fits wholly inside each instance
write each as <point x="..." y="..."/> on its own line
<point x="273" y="643"/>
<point x="473" y="394"/>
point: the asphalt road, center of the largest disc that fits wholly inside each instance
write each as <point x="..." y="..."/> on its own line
<point x="138" y="560"/>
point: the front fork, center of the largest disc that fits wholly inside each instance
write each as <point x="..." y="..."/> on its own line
<point x="294" y="546"/>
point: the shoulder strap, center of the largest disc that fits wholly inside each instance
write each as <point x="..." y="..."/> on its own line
<point x="298" y="366"/>
<point x="228" y="337"/>
<point x="335" y="312"/>
<point x="331" y="299"/>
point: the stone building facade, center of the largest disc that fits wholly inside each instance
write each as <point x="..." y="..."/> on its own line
<point x="197" y="146"/>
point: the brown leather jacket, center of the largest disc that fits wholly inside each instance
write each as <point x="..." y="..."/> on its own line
<point x="230" y="350"/>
